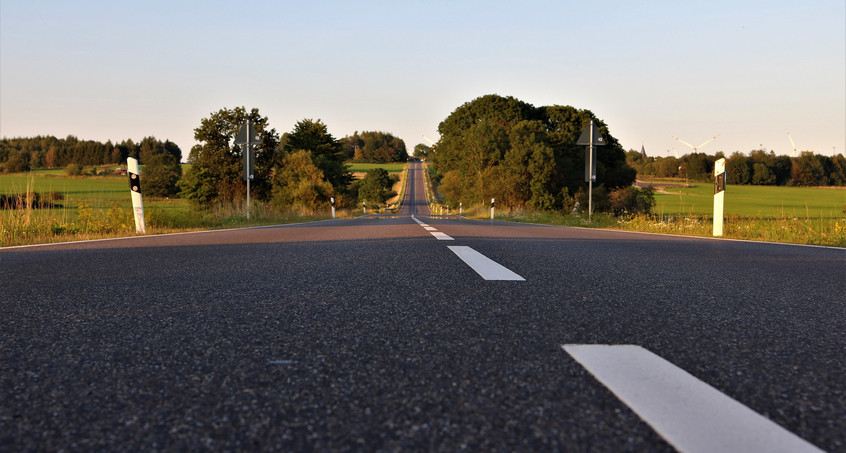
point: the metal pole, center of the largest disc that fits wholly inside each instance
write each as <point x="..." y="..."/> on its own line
<point x="247" y="150"/>
<point x="590" y="174"/>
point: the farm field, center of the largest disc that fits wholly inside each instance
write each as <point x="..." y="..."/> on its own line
<point x="92" y="189"/>
<point x="356" y="167"/>
<point x="754" y="201"/>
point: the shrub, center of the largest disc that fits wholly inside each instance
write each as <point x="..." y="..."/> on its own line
<point x="73" y="169"/>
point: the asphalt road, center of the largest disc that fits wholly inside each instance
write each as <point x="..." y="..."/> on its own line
<point x="372" y="335"/>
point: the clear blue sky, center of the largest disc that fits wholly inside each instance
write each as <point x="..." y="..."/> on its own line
<point x="747" y="70"/>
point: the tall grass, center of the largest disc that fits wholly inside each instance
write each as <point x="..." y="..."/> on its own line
<point x="825" y="231"/>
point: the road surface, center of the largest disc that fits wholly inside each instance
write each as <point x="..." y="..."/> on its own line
<point x="398" y="333"/>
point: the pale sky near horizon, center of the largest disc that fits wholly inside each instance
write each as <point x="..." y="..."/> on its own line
<point x="746" y="70"/>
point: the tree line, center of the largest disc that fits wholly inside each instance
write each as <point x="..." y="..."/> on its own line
<point x="759" y="167"/>
<point x="525" y="157"/>
<point x="378" y="147"/>
<point x="24" y="154"/>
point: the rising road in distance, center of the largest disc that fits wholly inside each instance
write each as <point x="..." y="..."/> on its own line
<point x="415" y="332"/>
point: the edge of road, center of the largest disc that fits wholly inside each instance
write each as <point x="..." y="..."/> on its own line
<point x="716" y="239"/>
<point x="180" y="233"/>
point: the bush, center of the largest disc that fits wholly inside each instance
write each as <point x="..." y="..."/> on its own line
<point x="632" y="200"/>
<point x="73" y="169"/>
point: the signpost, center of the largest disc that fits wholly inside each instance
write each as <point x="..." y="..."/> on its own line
<point x="248" y="137"/>
<point x="719" y="195"/>
<point x="592" y="138"/>
<point x="135" y="188"/>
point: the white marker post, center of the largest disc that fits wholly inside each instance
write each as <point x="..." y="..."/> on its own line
<point x="493" y="201"/>
<point x="333" y="206"/>
<point x="135" y="188"/>
<point x="719" y="195"/>
<point x="460" y="208"/>
<point x="364" y="206"/>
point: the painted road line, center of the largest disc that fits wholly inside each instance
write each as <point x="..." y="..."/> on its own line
<point x="441" y="236"/>
<point x="484" y="266"/>
<point x="428" y="228"/>
<point x="688" y="413"/>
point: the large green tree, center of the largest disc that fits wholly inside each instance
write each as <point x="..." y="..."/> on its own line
<point x="375" y="188"/>
<point x="298" y="184"/>
<point x="505" y="148"/>
<point x="216" y="174"/>
<point x="326" y="151"/>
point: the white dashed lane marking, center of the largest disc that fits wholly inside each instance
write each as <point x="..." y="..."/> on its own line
<point x="688" y="413"/>
<point x="484" y="266"/>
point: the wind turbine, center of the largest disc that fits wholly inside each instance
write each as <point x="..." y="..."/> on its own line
<point x="427" y="139"/>
<point x="795" y="151"/>
<point x="695" y="148"/>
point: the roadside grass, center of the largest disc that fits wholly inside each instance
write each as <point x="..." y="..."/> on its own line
<point x="93" y="207"/>
<point x="822" y="231"/>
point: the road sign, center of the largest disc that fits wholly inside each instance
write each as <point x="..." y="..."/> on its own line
<point x="586" y="138"/>
<point x="247" y="134"/>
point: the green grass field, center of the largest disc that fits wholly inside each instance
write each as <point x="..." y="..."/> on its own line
<point x="356" y="167"/>
<point x="92" y="189"/>
<point x="754" y="201"/>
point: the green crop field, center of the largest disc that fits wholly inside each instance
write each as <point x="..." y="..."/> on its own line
<point x="91" y="189"/>
<point x="356" y="167"/>
<point x="754" y="201"/>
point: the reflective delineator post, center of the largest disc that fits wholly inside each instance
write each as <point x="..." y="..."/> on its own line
<point x="135" y="191"/>
<point x="333" y="206"/>
<point x="719" y="195"/>
<point x="493" y="200"/>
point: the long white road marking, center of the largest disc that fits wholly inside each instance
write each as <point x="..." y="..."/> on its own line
<point x="441" y="236"/>
<point x="484" y="266"/>
<point x="688" y="413"/>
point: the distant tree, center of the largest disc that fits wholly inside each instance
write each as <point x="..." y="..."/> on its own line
<point x="666" y="167"/>
<point x="738" y="170"/>
<point x="838" y="170"/>
<point x="16" y="162"/>
<point x="421" y="151"/>
<point x="375" y="188"/>
<point x="808" y="170"/>
<point x="160" y="175"/>
<point x="374" y="147"/>
<point x="300" y="184"/>
<point x="326" y="152"/>
<point x="761" y="175"/>
<point x="217" y="171"/>
<point x="150" y="146"/>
